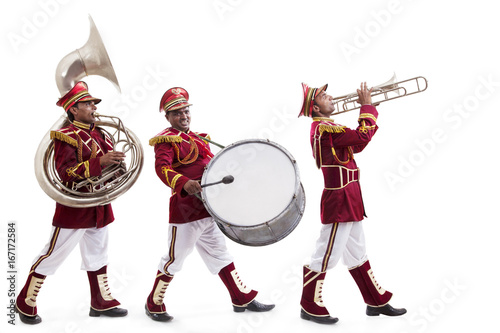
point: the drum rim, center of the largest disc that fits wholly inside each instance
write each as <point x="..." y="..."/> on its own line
<point x="233" y="145"/>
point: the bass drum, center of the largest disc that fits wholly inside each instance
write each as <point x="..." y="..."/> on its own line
<point x="266" y="200"/>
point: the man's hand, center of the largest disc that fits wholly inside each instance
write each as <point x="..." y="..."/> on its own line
<point x="192" y="187"/>
<point x="364" y="95"/>
<point x="112" y="157"/>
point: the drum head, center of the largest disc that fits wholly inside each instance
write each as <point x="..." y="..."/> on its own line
<point x="265" y="182"/>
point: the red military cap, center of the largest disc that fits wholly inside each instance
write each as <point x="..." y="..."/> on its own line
<point x="174" y="99"/>
<point x="309" y="95"/>
<point x="79" y="93"/>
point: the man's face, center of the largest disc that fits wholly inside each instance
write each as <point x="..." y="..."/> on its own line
<point x="84" y="112"/>
<point x="179" y="119"/>
<point x="324" y="106"/>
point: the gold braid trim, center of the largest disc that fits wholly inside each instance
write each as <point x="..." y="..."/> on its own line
<point x="367" y="115"/>
<point x="87" y="169"/>
<point x="165" y="138"/>
<point x="190" y="157"/>
<point x="80" y="149"/>
<point x="331" y="129"/>
<point x="323" y="119"/>
<point x="72" y="171"/>
<point x="63" y="137"/>
<point x="364" y="128"/>
<point x="93" y="150"/>
<point x="349" y="156"/>
<point x="171" y="183"/>
<point x="174" y="180"/>
<point x="165" y="171"/>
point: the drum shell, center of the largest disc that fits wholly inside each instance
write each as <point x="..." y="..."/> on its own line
<point x="266" y="230"/>
<point x="269" y="232"/>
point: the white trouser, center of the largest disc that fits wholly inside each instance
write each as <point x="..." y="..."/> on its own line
<point x="339" y="240"/>
<point x="208" y="239"/>
<point x="93" y="249"/>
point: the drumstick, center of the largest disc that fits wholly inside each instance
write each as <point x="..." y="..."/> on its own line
<point x="226" y="180"/>
<point x="205" y="139"/>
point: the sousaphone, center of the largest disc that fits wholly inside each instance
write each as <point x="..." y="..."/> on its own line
<point x="90" y="59"/>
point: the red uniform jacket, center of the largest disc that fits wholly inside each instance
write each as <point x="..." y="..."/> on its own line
<point x="333" y="148"/>
<point x="77" y="149"/>
<point x="180" y="157"/>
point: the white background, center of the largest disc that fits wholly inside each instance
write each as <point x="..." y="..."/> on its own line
<point x="429" y="176"/>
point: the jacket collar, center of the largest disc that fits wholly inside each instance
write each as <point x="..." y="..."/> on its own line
<point x="322" y="119"/>
<point x="88" y="127"/>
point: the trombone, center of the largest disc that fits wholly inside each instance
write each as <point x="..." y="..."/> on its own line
<point x="384" y="92"/>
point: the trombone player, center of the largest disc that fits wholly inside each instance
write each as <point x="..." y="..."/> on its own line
<point x="342" y="209"/>
<point x="81" y="150"/>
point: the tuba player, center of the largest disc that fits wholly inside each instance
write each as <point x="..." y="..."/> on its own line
<point x="81" y="150"/>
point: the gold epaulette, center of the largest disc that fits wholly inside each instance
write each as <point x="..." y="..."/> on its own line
<point x="165" y="138"/>
<point x="64" y="138"/>
<point x="331" y="128"/>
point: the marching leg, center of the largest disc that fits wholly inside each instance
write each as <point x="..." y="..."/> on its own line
<point x="312" y="302"/>
<point x="155" y="309"/>
<point x="62" y="242"/>
<point x="376" y="298"/>
<point x="101" y="301"/>
<point x="243" y="298"/>
<point x="26" y="300"/>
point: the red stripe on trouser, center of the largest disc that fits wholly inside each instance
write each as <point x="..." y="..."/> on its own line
<point x="171" y="252"/>
<point x="329" y="248"/>
<point x="53" y="241"/>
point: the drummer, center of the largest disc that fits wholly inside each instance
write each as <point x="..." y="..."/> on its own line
<point x="342" y="208"/>
<point x="181" y="156"/>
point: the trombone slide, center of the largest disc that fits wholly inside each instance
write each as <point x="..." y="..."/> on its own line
<point x="380" y="94"/>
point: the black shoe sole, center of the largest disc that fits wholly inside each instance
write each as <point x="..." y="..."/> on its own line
<point x="106" y="313"/>
<point x="28" y="320"/>
<point x="239" y="308"/>
<point x="163" y="317"/>
<point x="374" y="312"/>
<point x="254" y="307"/>
<point x="320" y="320"/>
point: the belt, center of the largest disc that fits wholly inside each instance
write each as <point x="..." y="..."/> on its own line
<point x="337" y="177"/>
